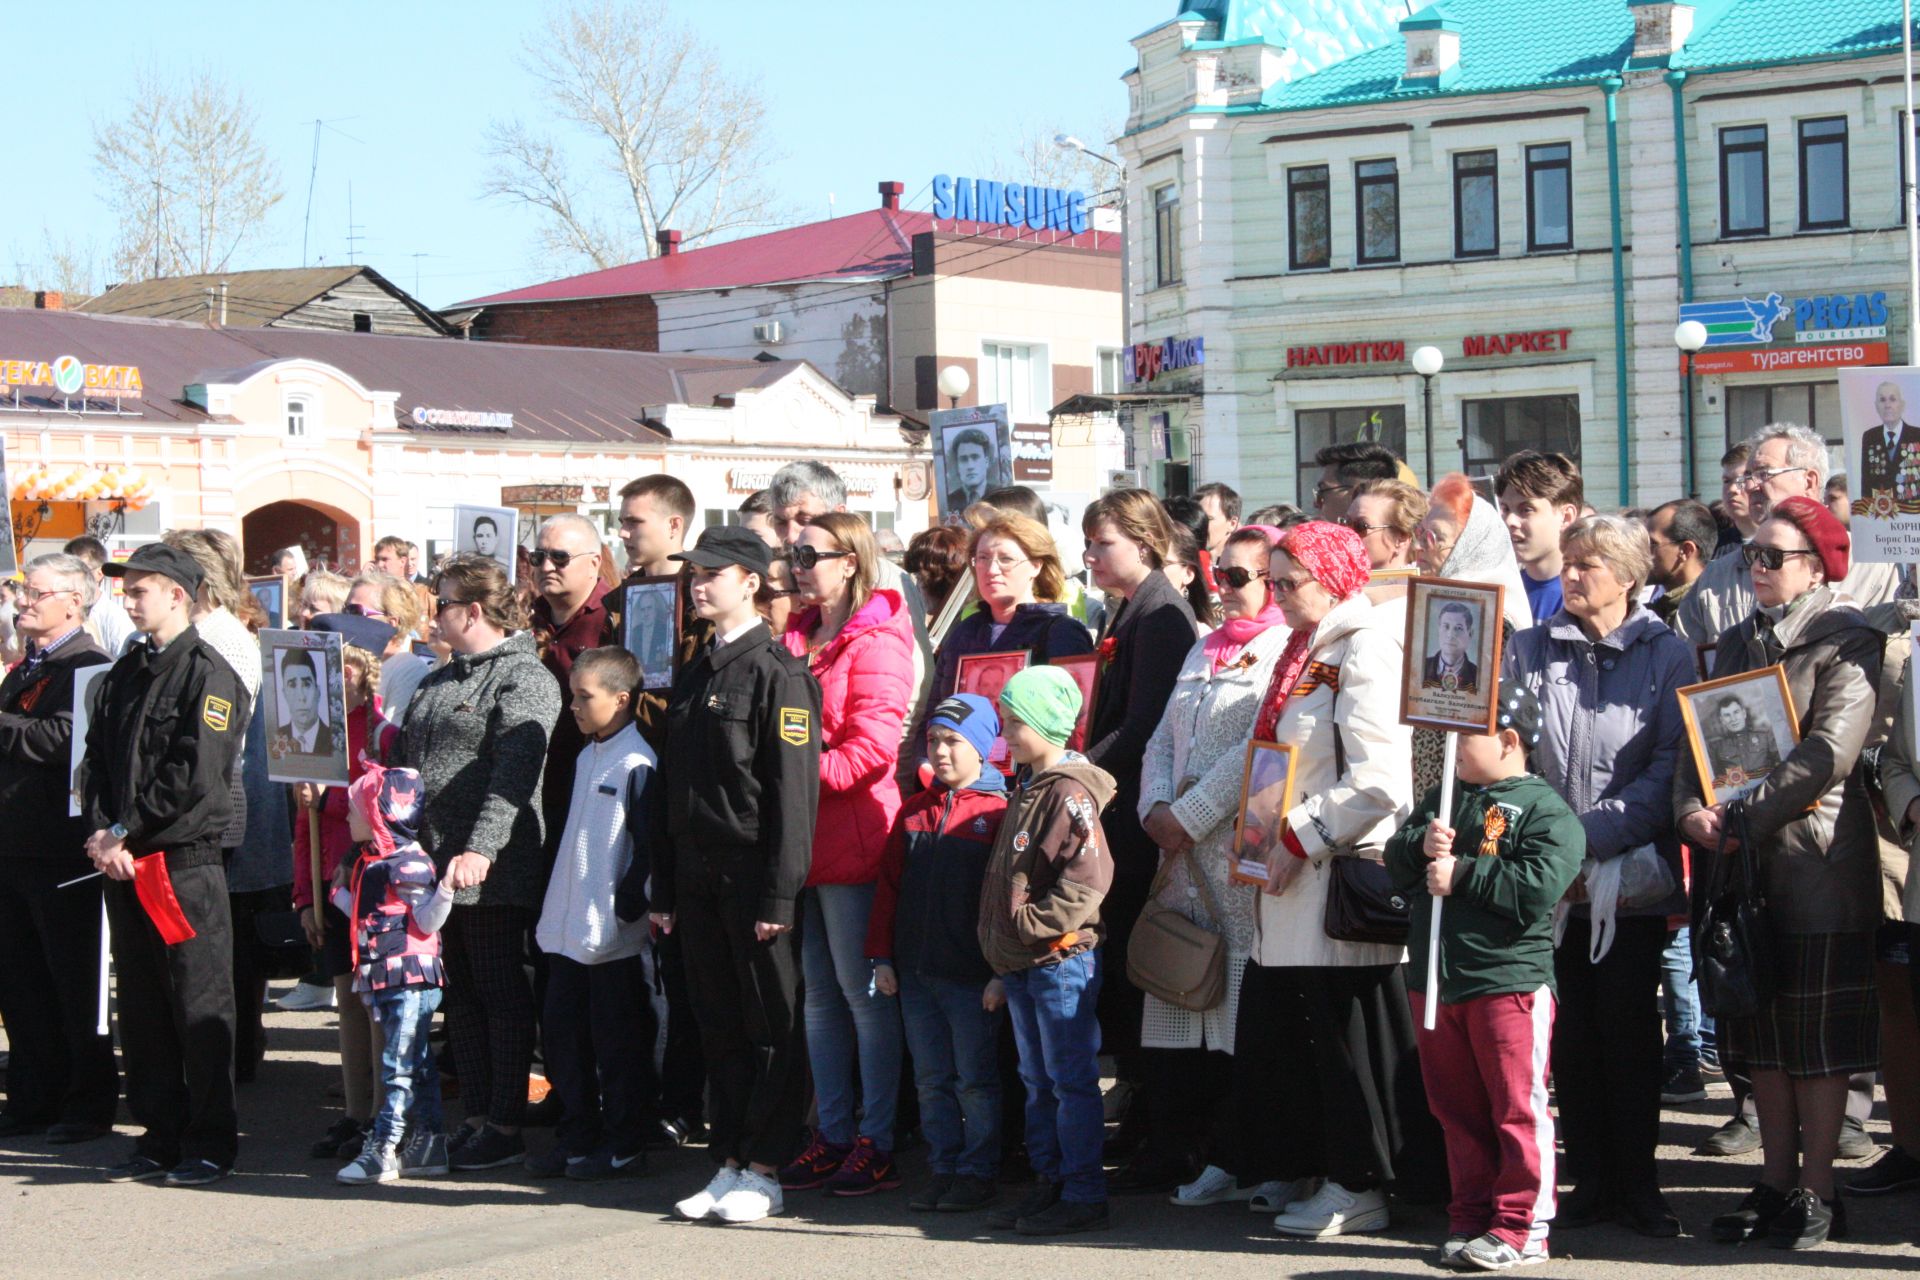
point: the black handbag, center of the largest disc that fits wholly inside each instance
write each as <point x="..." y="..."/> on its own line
<point x="1733" y="948"/>
<point x="1362" y="904"/>
<point x="280" y="945"/>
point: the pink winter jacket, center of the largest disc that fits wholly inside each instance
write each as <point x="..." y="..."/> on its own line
<point x="866" y="687"/>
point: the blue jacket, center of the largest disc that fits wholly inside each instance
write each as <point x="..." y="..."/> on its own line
<point x="926" y="908"/>
<point x="1047" y="631"/>
<point x="1610" y="730"/>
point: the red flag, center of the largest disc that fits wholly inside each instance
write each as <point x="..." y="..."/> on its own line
<point x="154" y="887"/>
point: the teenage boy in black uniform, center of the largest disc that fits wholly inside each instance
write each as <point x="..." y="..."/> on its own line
<point x="739" y="790"/>
<point x="168" y="721"/>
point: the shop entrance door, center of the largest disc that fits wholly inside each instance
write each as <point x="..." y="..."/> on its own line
<point x="331" y="539"/>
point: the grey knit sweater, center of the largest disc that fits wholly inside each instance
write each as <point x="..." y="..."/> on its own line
<point x="477" y="732"/>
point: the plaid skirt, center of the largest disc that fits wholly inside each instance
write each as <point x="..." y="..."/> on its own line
<point x="1824" y="1019"/>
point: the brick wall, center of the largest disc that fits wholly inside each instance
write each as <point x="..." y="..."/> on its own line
<point x="626" y="324"/>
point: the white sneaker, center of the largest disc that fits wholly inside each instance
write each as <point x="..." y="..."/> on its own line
<point x="700" y="1204"/>
<point x="754" y="1196"/>
<point x="306" y="997"/>
<point x="1214" y="1186"/>
<point x="1278" y="1197"/>
<point x="1335" y="1211"/>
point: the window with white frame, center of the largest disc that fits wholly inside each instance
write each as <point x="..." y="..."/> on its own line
<point x="1166" y="235"/>
<point x="1016" y="375"/>
<point x="296" y="415"/>
<point x="1106" y="371"/>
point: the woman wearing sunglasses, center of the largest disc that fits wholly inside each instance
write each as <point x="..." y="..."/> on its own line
<point x="1812" y="834"/>
<point x="1189" y="795"/>
<point x="857" y="641"/>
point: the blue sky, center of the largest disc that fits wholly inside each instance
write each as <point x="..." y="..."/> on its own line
<point x="860" y="91"/>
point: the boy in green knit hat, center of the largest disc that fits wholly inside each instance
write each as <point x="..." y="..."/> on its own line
<point x="1502" y="859"/>
<point x="1040" y="930"/>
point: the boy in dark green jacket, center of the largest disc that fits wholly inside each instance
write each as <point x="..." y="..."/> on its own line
<point x="1510" y="853"/>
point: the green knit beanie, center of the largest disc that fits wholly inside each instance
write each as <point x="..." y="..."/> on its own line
<point x="1046" y="700"/>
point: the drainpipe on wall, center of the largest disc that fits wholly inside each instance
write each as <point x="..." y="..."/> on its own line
<point x="1611" y="87"/>
<point x="1676" y="79"/>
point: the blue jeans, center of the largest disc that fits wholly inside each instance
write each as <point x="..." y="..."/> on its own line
<point x="844" y="1012"/>
<point x="407" y="1068"/>
<point x="1680" y="1001"/>
<point x="1058" y="1034"/>
<point x="956" y="1064"/>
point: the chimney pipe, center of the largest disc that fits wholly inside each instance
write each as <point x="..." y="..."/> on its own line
<point x="669" y="242"/>
<point x="223" y="304"/>
<point x="49" y="300"/>
<point x="890" y="194"/>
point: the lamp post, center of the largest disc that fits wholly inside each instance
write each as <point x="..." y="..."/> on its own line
<point x="954" y="382"/>
<point x="1427" y="361"/>
<point x="1067" y="142"/>
<point x="1689" y="337"/>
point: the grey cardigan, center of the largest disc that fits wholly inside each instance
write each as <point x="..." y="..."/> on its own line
<point x="477" y="732"/>
<point x="1611" y="733"/>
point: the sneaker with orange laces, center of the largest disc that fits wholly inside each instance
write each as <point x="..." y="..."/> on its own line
<point x="866" y="1169"/>
<point x="812" y="1167"/>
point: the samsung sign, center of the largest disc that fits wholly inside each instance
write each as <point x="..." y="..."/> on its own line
<point x="1009" y="204"/>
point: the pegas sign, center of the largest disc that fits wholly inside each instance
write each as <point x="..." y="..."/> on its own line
<point x="1145" y="361"/>
<point x="1009" y="204"/>
<point x="1827" y="317"/>
<point x="1840" y="317"/>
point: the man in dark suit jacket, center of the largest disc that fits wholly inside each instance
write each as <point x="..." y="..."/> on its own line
<point x="972" y="456"/>
<point x="1890" y="456"/>
<point x="1449" y="662"/>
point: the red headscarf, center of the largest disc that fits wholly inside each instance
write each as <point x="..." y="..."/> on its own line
<point x="1337" y="559"/>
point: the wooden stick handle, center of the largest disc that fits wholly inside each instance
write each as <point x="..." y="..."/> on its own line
<point x="1445" y="815"/>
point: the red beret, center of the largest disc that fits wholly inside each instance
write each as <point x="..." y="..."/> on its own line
<point x="1824" y="533"/>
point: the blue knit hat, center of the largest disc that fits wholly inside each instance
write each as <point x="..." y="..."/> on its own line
<point x="972" y="717"/>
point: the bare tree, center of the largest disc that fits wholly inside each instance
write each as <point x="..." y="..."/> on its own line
<point x="1032" y="156"/>
<point x="190" y="182"/>
<point x="70" y="267"/>
<point x="675" y="143"/>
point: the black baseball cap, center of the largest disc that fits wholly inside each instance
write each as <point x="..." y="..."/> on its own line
<point x="725" y="544"/>
<point x="158" y="557"/>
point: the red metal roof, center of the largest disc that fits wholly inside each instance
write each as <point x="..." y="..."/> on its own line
<point x="874" y="245"/>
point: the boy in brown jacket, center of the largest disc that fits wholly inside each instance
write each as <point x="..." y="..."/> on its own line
<point x="1040" y="930"/>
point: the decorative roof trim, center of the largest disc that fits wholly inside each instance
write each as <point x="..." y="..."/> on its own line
<point x="1357" y="131"/>
<point x="1455" y="122"/>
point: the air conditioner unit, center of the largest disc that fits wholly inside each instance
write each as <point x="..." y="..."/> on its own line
<point x="768" y="332"/>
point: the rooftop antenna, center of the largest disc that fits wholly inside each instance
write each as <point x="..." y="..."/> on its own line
<point x="416" y="270"/>
<point x="313" y="172"/>
<point x="353" y="228"/>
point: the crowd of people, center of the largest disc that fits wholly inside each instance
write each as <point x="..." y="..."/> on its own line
<point x="810" y="893"/>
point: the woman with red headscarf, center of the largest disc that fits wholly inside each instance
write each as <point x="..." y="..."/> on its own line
<point x="1314" y="1042"/>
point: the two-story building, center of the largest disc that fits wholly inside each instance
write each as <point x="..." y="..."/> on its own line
<point x="1511" y="190"/>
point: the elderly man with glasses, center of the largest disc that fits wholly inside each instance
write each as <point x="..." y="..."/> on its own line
<point x="569" y="617"/>
<point x="61" y="1079"/>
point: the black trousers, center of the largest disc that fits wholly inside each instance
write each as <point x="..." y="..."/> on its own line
<point x="1318" y="1068"/>
<point x="1121" y="1004"/>
<point x="250" y="974"/>
<point x="682" y="1066"/>
<point x="599" y="1029"/>
<point x="490" y="1009"/>
<point x="746" y="998"/>
<point x="1608" y="1058"/>
<point x="176" y="1020"/>
<point x="61" y="1069"/>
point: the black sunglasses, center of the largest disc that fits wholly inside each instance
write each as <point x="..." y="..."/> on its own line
<point x="1360" y="526"/>
<point x="1770" y="558"/>
<point x="560" y="559"/>
<point x="441" y="604"/>
<point x="1236" y="577"/>
<point x="805" y="557"/>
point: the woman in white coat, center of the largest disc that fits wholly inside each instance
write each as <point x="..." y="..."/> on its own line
<point x="1189" y="794"/>
<point x="1314" y="1054"/>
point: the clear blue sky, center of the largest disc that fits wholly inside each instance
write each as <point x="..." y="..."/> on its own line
<point x="860" y="91"/>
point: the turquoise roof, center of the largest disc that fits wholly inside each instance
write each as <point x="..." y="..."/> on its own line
<point x="1776" y="31"/>
<point x="1352" y="52"/>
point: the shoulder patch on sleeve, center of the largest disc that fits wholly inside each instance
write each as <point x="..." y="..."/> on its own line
<point x="216" y="712"/>
<point x="796" y="726"/>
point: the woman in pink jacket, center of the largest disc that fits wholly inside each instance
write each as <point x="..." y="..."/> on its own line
<point x="858" y="642"/>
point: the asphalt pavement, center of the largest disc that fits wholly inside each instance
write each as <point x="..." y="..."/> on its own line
<point x="282" y="1215"/>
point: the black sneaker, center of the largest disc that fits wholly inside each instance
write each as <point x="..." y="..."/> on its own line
<point x="1065" y="1217"/>
<point x="1894" y="1171"/>
<point x="1040" y="1196"/>
<point x="136" y="1169"/>
<point x="969" y="1195"/>
<point x="927" y="1198"/>
<point x="1753" y="1218"/>
<point x="489" y="1149"/>
<point x="197" y="1173"/>
<point x="1683" y="1085"/>
<point x="1855" y="1142"/>
<point x="551" y="1163"/>
<point x="1736" y="1137"/>
<point x="341" y="1132"/>
<point x="1806" y="1221"/>
<point x="598" y="1166"/>
<point x="1649" y="1215"/>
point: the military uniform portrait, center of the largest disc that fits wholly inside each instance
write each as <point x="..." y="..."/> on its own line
<point x="1880" y="451"/>
<point x="1739" y="728"/>
<point x="1449" y="679"/>
<point x="303" y="696"/>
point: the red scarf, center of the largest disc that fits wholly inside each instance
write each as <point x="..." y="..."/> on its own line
<point x="1337" y="559"/>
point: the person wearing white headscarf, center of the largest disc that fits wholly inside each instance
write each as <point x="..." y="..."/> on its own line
<point x="1463" y="537"/>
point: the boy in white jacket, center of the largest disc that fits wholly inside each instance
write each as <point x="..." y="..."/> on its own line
<point x="599" y="1023"/>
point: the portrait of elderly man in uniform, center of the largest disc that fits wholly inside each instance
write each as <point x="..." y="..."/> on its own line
<point x="302" y="685"/>
<point x="1448" y="664"/>
<point x="1740" y="747"/>
<point x="1889" y="457"/>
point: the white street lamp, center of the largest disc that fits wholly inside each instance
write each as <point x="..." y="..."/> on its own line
<point x="954" y="382"/>
<point x="1690" y="336"/>
<point x="1427" y="361"/>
